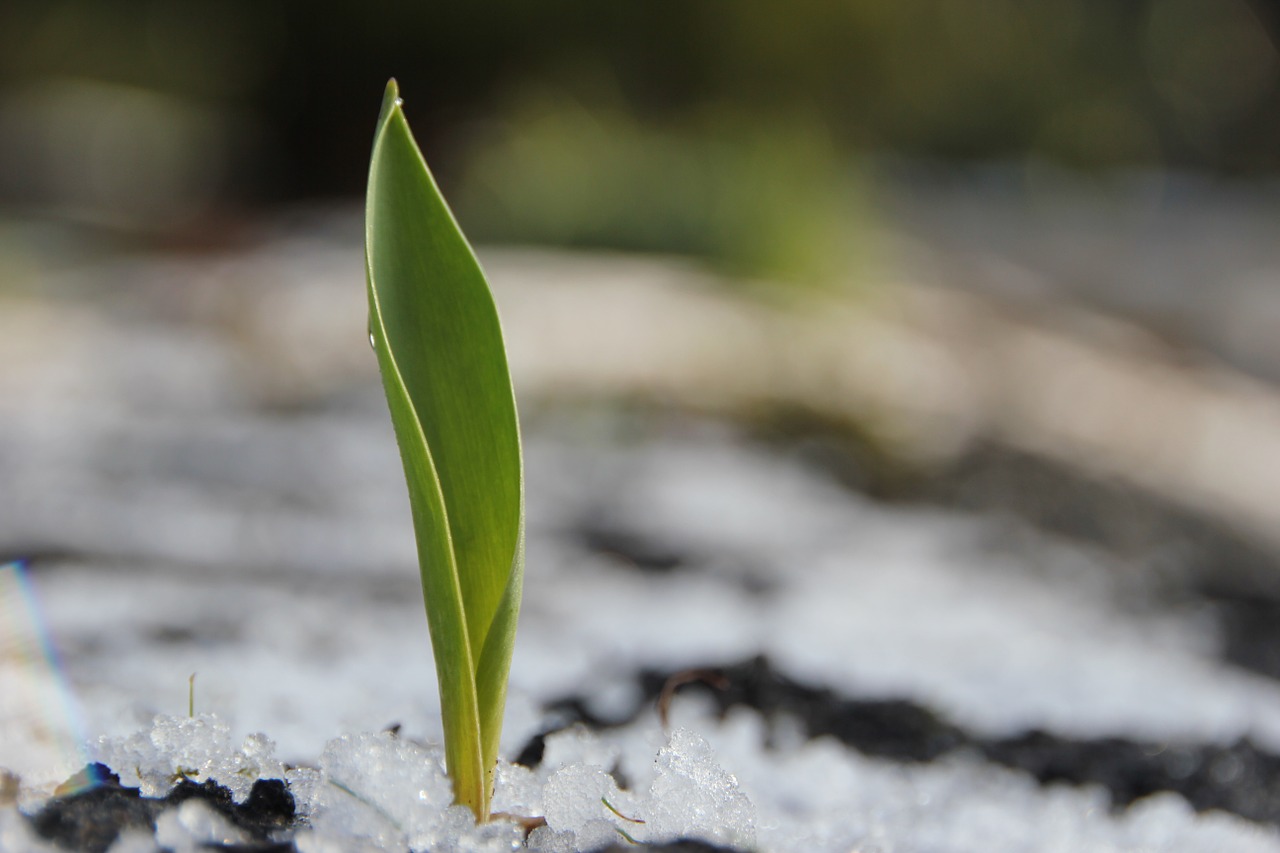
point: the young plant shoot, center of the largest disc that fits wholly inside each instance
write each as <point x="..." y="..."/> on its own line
<point x="434" y="326"/>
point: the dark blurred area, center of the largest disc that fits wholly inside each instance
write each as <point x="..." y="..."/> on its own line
<point x="729" y="130"/>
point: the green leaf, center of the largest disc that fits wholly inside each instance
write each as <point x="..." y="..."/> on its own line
<point x="434" y="325"/>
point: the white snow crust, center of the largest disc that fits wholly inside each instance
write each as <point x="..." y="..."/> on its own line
<point x="997" y="629"/>
<point x="384" y="792"/>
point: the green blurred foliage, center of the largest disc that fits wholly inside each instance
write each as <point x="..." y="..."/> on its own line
<point x="708" y="126"/>
<point x="1094" y="82"/>
<point x="775" y="200"/>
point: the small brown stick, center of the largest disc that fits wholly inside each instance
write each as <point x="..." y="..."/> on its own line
<point x="528" y="824"/>
<point x="679" y="679"/>
<point x="10" y="784"/>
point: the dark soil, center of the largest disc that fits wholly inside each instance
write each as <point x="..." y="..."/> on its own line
<point x="601" y="535"/>
<point x="684" y="845"/>
<point x="92" y="819"/>
<point x="1240" y="778"/>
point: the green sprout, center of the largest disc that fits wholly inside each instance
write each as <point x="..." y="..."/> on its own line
<point x="434" y="326"/>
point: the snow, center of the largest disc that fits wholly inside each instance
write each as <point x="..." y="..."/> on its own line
<point x="692" y="795"/>
<point x="891" y="602"/>
<point x="194" y="824"/>
<point x="866" y="600"/>
<point x="272" y="556"/>
<point x="383" y="792"/>
<point x="196" y="747"/>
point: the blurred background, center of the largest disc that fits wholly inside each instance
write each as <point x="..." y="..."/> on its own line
<point x="985" y="186"/>
<point x="1077" y="162"/>
<point x="751" y="135"/>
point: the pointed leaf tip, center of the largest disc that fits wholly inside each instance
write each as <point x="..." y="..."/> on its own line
<point x="390" y="100"/>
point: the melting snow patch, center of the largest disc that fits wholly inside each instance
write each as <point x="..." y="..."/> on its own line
<point x="196" y="748"/>
<point x="693" y="796"/>
<point x="384" y="792"/>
